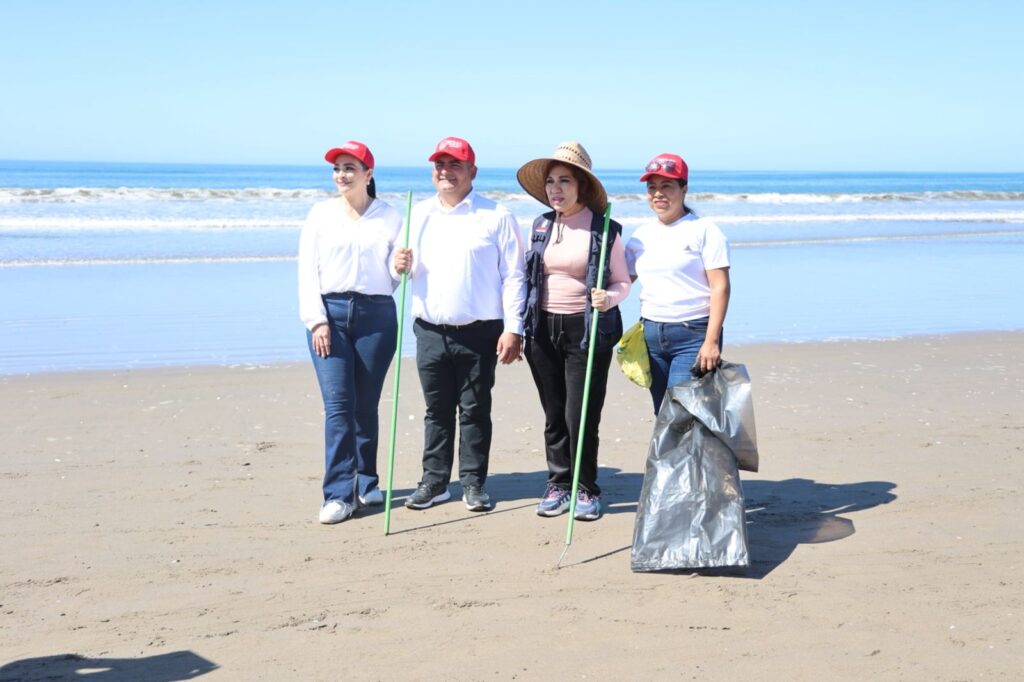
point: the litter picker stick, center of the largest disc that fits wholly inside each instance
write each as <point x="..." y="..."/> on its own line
<point x="398" y="371"/>
<point x="586" y="384"/>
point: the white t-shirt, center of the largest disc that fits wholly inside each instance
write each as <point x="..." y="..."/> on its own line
<point x="670" y="262"/>
<point x="338" y="254"/>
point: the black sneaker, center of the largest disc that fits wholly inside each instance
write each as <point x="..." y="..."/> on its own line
<point x="476" y="498"/>
<point x="427" y="495"/>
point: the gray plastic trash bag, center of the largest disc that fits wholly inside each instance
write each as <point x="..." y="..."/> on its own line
<point x="691" y="512"/>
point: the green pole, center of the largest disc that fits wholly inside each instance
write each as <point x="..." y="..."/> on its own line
<point x="398" y="372"/>
<point x="586" y="384"/>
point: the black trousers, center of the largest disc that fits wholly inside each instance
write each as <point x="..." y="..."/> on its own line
<point x="559" y="368"/>
<point x="456" y="367"/>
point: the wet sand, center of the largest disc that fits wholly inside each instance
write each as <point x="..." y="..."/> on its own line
<point x="160" y="525"/>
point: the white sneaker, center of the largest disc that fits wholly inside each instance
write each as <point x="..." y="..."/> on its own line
<point x="372" y="497"/>
<point x="335" y="511"/>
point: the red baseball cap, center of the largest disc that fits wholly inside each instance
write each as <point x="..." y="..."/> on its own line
<point x="455" y="147"/>
<point x="667" y="166"/>
<point x="352" y="148"/>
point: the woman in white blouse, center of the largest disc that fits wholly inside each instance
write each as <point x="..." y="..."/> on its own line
<point x="682" y="262"/>
<point x="345" y="301"/>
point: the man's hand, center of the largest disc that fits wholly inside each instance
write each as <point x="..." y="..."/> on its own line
<point x="510" y="348"/>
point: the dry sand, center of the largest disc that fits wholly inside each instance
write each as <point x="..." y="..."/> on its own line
<point x="160" y="524"/>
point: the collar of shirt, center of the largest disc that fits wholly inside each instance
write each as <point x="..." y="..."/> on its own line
<point x="371" y="208"/>
<point x="689" y="215"/>
<point x="467" y="202"/>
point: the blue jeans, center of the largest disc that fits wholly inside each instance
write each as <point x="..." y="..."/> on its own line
<point x="672" y="348"/>
<point x="364" y="330"/>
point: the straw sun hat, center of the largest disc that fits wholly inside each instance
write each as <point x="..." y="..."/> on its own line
<point x="531" y="175"/>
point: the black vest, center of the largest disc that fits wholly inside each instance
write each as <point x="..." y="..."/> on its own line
<point x="609" y="323"/>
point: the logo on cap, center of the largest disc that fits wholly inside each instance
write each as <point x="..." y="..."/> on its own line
<point x="454" y="146"/>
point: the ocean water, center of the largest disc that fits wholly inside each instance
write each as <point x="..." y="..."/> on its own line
<point x="134" y="265"/>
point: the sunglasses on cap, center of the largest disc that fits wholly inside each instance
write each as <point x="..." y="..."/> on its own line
<point x="667" y="165"/>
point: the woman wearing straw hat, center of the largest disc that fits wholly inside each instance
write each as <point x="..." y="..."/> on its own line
<point x="561" y="272"/>
<point x="682" y="262"/>
<point x="345" y="302"/>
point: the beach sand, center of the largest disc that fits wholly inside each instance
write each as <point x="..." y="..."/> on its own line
<point x="160" y="524"/>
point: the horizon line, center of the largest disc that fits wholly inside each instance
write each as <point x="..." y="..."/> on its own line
<point x="221" y="164"/>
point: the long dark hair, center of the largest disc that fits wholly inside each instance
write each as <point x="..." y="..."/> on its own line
<point x="371" y="187"/>
<point x="682" y="183"/>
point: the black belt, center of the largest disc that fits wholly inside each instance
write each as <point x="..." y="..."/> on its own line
<point x="448" y="327"/>
<point x="357" y="295"/>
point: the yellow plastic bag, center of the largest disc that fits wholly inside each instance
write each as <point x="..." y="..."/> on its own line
<point x="631" y="353"/>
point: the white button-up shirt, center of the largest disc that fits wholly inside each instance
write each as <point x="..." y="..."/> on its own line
<point x="338" y="254"/>
<point x="467" y="263"/>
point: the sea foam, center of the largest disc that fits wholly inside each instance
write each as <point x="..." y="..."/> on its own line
<point x="74" y="195"/>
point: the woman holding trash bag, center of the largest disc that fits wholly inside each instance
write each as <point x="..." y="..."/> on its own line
<point x="345" y="302"/>
<point x="682" y="262"/>
<point x="561" y="273"/>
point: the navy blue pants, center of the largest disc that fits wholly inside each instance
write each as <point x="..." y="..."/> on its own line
<point x="364" y="330"/>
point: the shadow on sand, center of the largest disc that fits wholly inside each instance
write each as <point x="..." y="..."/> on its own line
<point x="800" y="511"/>
<point x="781" y="515"/>
<point x="619" y="489"/>
<point x="509" y="491"/>
<point x="171" y="667"/>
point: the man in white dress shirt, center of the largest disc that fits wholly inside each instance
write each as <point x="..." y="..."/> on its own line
<point x="468" y="285"/>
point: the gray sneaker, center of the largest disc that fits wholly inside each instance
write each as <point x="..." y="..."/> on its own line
<point x="427" y="495"/>
<point x="476" y="498"/>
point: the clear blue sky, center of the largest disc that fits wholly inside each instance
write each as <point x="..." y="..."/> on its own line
<point x="871" y="85"/>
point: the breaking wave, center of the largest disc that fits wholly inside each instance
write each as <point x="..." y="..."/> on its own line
<point x="173" y="260"/>
<point x="74" y="195"/>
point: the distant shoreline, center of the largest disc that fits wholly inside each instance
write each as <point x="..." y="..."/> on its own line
<point x="425" y="165"/>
